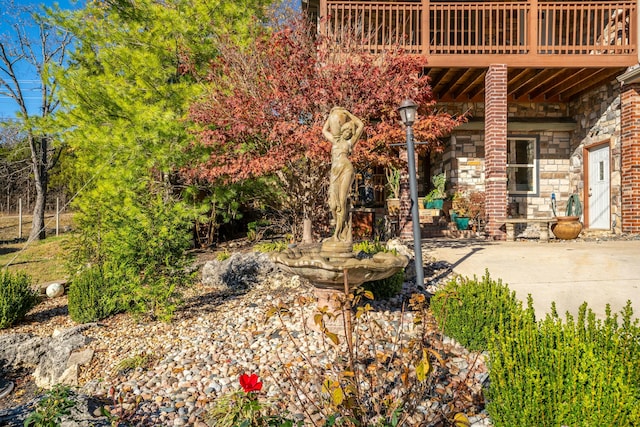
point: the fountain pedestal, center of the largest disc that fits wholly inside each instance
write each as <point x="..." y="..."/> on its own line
<point x="330" y="265"/>
<point x="326" y="267"/>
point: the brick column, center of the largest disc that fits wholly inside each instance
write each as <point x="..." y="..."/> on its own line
<point x="630" y="162"/>
<point x="495" y="149"/>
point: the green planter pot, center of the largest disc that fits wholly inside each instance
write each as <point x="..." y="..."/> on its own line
<point x="462" y="223"/>
<point x="434" y="204"/>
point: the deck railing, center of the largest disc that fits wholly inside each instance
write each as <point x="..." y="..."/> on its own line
<point x="534" y="27"/>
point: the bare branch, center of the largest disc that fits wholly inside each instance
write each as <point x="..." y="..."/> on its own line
<point x="22" y="54"/>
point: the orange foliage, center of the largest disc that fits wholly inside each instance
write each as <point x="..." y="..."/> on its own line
<point x="268" y="102"/>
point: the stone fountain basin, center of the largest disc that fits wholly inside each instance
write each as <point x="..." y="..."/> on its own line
<point x="326" y="269"/>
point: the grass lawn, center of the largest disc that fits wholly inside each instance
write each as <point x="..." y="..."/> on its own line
<point x="42" y="260"/>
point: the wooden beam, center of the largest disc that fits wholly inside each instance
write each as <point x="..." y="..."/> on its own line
<point x="443" y="84"/>
<point x="532" y="60"/>
<point x="559" y="80"/>
<point x="537" y="85"/>
<point x="533" y="83"/>
<point x="459" y="82"/>
<point x="521" y="78"/>
<point x="588" y="82"/>
<point x="476" y="81"/>
<point x="578" y="78"/>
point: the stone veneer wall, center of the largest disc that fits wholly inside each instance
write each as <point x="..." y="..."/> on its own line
<point x="560" y="166"/>
<point x="464" y="162"/>
<point x="598" y="116"/>
<point x="519" y="110"/>
<point x="464" y="159"/>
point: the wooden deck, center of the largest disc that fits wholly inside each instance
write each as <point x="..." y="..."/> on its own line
<point x="534" y="33"/>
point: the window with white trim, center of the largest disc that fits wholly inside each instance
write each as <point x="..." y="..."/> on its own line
<point x="522" y="165"/>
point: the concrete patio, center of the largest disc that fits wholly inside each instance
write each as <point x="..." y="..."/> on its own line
<point x="568" y="272"/>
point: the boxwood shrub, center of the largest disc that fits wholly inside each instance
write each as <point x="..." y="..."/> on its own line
<point x="577" y="372"/>
<point x="17" y="297"/>
<point x="471" y="310"/>
<point x="383" y="288"/>
<point x="92" y="296"/>
<point x="386" y="288"/>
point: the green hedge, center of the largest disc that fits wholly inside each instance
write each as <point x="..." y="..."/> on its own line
<point x="92" y="296"/>
<point x="17" y="297"/>
<point x="580" y="372"/>
<point x="471" y="310"/>
<point x="577" y="372"/>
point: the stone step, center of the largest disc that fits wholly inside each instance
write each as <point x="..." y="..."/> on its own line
<point x="454" y="233"/>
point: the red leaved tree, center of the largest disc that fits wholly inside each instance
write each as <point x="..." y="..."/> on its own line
<point x="268" y="102"/>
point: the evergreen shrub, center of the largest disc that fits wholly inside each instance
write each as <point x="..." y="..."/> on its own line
<point x="471" y="310"/>
<point x="386" y="288"/>
<point x="383" y="288"/>
<point x="92" y="296"/>
<point x="142" y="252"/>
<point x="369" y="247"/>
<point x="16" y="297"/>
<point x="580" y="372"/>
<point x="274" y="246"/>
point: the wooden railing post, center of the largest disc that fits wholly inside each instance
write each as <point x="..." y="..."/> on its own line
<point x="533" y="22"/>
<point x="426" y="27"/>
<point x="634" y="36"/>
<point x="322" y="17"/>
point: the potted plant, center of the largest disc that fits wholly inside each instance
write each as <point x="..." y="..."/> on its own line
<point x="569" y="226"/>
<point x="460" y="210"/>
<point x="477" y="209"/>
<point x="393" y="188"/>
<point x="468" y="207"/>
<point x="435" y="198"/>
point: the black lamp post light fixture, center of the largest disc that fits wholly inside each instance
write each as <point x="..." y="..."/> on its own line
<point x="408" y="110"/>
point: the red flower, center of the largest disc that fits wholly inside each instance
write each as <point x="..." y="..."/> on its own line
<point x="250" y="383"/>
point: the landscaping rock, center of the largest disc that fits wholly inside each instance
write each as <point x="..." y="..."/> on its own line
<point x="55" y="290"/>
<point x="400" y="248"/>
<point x="41" y="288"/>
<point x="239" y="272"/>
<point x="81" y="415"/>
<point x="214" y="338"/>
<point x="18" y="350"/>
<point x="50" y="355"/>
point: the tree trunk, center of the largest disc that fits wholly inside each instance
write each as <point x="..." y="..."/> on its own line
<point x="31" y="46"/>
<point x="39" y="152"/>
<point x="38" y="230"/>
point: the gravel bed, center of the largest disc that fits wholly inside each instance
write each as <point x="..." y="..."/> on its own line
<point x="188" y="363"/>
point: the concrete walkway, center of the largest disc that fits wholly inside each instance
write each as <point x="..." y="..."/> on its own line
<point x="567" y="272"/>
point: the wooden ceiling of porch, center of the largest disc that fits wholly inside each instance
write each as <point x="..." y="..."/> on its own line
<point x="524" y="84"/>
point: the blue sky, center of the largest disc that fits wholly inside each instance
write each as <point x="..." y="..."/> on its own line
<point x="29" y="81"/>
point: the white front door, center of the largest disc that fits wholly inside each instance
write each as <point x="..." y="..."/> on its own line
<point x="599" y="188"/>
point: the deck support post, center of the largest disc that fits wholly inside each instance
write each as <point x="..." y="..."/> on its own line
<point x="630" y="153"/>
<point x="495" y="146"/>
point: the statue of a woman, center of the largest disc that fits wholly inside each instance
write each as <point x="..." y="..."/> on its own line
<point x="343" y="130"/>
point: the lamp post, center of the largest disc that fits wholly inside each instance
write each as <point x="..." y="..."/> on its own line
<point x="408" y="110"/>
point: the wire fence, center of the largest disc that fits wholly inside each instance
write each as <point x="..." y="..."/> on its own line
<point x="12" y="204"/>
<point x="16" y="224"/>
